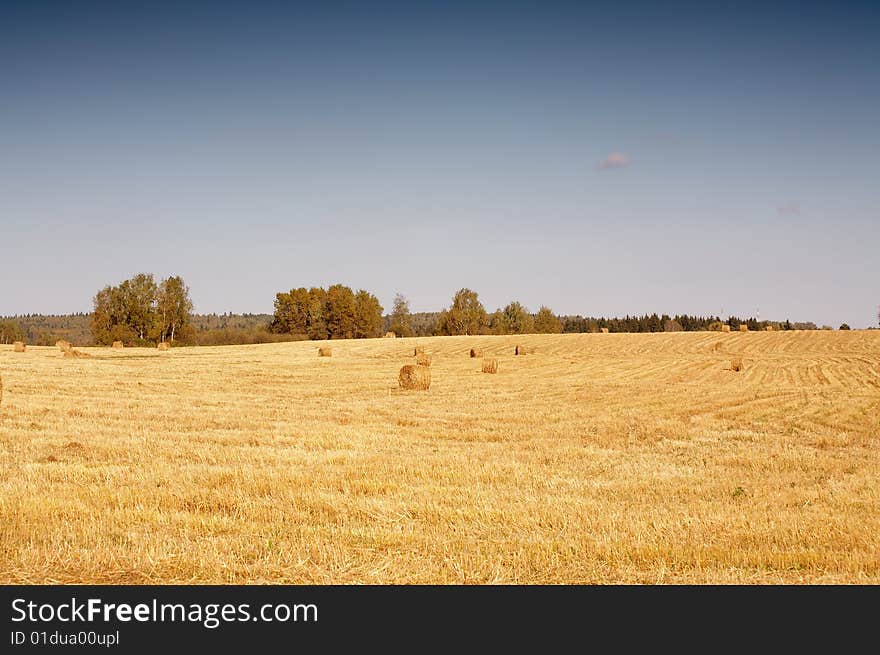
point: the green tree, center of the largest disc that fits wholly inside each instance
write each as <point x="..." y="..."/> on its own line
<point x="466" y="315"/>
<point x="367" y="315"/>
<point x="139" y="297"/>
<point x="340" y="312"/>
<point x="401" y="320"/>
<point x="546" y="322"/>
<point x="516" y="319"/>
<point x="173" y="308"/>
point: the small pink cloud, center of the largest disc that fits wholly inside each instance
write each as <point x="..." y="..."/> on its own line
<point x="614" y="160"/>
<point x="791" y="209"/>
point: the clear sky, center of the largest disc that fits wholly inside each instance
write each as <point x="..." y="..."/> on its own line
<point x="604" y="158"/>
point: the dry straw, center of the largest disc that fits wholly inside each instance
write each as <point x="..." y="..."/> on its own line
<point x="769" y="328"/>
<point x="418" y="350"/>
<point x="325" y="351"/>
<point x="522" y="350"/>
<point x="1" y="389"/>
<point x="390" y="335"/>
<point x="725" y="328"/>
<point x="476" y="352"/>
<point x="19" y="347"/>
<point x="423" y="360"/>
<point x="490" y="366"/>
<point x="743" y="327"/>
<point x="163" y="345"/>
<point x="736" y="364"/>
<point x="63" y="345"/>
<point x="118" y="344"/>
<point x="73" y="353"/>
<point x="417" y="378"/>
<point x="604" y="330"/>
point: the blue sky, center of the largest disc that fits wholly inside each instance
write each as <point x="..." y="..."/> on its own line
<point x="601" y="159"/>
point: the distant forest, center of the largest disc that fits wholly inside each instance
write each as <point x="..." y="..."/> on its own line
<point x="229" y="329"/>
<point x="206" y="329"/>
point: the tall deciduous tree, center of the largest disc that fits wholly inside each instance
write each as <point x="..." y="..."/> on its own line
<point x="401" y="319"/>
<point x="466" y="315"/>
<point x="367" y="315"/>
<point x="340" y="312"/>
<point x="173" y="308"/>
<point x="546" y="322"/>
<point x="292" y="312"/>
<point x="317" y="314"/>
<point x="516" y="319"/>
<point x="139" y="295"/>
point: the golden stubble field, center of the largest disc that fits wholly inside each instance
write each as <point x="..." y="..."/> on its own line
<point x="601" y="458"/>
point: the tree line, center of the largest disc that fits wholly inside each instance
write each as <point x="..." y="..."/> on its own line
<point x="140" y="311"/>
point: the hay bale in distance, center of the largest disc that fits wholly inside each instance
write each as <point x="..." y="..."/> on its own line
<point x="414" y="377"/>
<point x="73" y="353"/>
<point x="603" y="330"/>
<point x="523" y="350"/>
<point x="490" y="366"/>
<point x="163" y="345"/>
<point x="118" y="344"/>
<point x="390" y="335"/>
<point x="736" y="364"/>
<point x="63" y="345"/>
<point x="1" y="389"/>
<point x="325" y="351"/>
<point x="423" y="359"/>
<point x="19" y="347"/>
<point x="743" y="327"/>
<point x="769" y="328"/>
<point x="476" y="352"/>
<point x="725" y="328"/>
<point x="418" y="350"/>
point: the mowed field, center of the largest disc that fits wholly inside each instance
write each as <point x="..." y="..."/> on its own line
<point x="600" y="458"/>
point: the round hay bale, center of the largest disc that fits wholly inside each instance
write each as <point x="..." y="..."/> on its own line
<point x="725" y="328"/>
<point x="603" y="330"/>
<point x="490" y="366"/>
<point x="523" y="350"/>
<point x="325" y="351"/>
<point x="769" y="328"/>
<point x="19" y="347"/>
<point x="73" y="353"/>
<point x="163" y="345"/>
<point x="476" y="352"/>
<point x="423" y="360"/>
<point x="118" y="344"/>
<point x="736" y="364"/>
<point x="414" y="377"/>
<point x="743" y="327"/>
<point x="418" y="350"/>
<point x="390" y="335"/>
<point x="63" y="345"/>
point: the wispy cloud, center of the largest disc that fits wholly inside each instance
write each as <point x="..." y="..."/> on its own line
<point x="614" y="160"/>
<point x="790" y="209"/>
